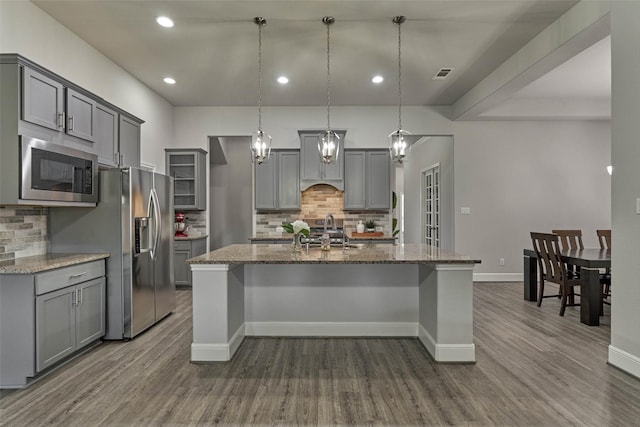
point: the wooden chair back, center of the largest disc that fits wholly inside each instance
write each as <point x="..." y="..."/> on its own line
<point x="548" y="251"/>
<point x="604" y="237"/>
<point x="570" y="239"/>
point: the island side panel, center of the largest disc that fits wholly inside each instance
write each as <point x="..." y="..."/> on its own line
<point x="218" y="311"/>
<point x="446" y="311"/>
<point x="331" y="300"/>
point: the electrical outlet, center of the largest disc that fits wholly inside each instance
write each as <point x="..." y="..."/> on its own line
<point x="501" y="261"/>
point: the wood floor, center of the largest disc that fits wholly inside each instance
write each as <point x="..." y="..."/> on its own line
<point x="534" y="368"/>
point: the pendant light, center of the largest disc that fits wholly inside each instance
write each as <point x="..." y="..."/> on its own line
<point x="260" y="141"/>
<point x="328" y="141"/>
<point x="398" y="141"/>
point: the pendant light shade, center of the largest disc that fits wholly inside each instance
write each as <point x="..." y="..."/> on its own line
<point x="398" y="140"/>
<point x="260" y="141"/>
<point x="328" y="141"/>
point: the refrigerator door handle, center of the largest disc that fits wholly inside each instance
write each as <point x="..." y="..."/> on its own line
<point x="157" y="222"/>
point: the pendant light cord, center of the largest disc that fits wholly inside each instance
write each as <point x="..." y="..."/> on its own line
<point x="400" y="20"/>
<point x="328" y="22"/>
<point x="260" y="23"/>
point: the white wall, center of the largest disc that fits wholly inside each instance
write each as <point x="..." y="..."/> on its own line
<point x="624" y="350"/>
<point x="28" y="31"/>
<point x="366" y="126"/>
<point x="519" y="177"/>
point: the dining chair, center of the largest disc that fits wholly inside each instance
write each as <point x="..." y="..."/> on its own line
<point x="552" y="269"/>
<point x="604" y="238"/>
<point x="570" y="240"/>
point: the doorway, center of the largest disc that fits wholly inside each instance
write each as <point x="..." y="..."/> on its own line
<point x="230" y="191"/>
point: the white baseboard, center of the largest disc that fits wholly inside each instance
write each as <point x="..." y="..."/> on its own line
<point x="625" y="361"/>
<point x="498" y="277"/>
<point x="332" y="329"/>
<point x="459" y="353"/>
<point x="217" y="352"/>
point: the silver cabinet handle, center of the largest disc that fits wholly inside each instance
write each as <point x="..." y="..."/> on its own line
<point x="73" y="276"/>
<point x="70" y="122"/>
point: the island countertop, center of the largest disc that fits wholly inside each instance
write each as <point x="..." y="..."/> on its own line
<point x="357" y="254"/>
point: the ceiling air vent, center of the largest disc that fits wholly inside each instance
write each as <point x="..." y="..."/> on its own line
<point x="442" y="73"/>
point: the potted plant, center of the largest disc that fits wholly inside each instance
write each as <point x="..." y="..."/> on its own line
<point x="370" y="225"/>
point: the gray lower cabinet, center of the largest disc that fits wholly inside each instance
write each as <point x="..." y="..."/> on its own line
<point x="68" y="320"/>
<point x="182" y="251"/>
<point x="367" y="184"/>
<point x="277" y="181"/>
<point x="46" y="317"/>
<point x="312" y="169"/>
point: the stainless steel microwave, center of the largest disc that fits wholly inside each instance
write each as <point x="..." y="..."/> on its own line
<point x="53" y="173"/>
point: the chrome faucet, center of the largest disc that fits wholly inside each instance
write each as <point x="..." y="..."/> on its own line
<point x="326" y="220"/>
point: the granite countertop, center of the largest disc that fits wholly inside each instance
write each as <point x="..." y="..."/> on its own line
<point x="371" y="253"/>
<point x="191" y="237"/>
<point x="39" y="263"/>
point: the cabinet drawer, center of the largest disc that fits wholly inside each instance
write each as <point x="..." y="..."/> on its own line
<point x="182" y="245"/>
<point x="49" y="281"/>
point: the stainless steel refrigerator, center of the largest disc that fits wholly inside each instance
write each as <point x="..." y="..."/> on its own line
<point x="133" y="221"/>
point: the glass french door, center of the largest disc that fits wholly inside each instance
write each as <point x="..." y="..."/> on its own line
<point x="431" y="206"/>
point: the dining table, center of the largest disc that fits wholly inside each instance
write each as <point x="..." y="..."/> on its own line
<point x="590" y="261"/>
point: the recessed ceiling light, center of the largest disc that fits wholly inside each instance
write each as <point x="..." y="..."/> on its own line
<point x="283" y="80"/>
<point x="377" y="79"/>
<point x="164" y="21"/>
<point x="169" y="80"/>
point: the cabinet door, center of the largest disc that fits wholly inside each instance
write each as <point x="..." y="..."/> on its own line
<point x="129" y="142"/>
<point x="288" y="180"/>
<point x="378" y="180"/>
<point x="42" y="100"/>
<point x="55" y="326"/>
<point x="80" y="111"/>
<point x="106" y="135"/>
<point x="354" y="180"/>
<point x="265" y="184"/>
<point x="182" y="272"/>
<point x="90" y="312"/>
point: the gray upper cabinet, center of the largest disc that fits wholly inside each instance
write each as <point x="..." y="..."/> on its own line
<point x="42" y="100"/>
<point x="312" y="169"/>
<point x="117" y="138"/>
<point x="80" y="115"/>
<point x="129" y="142"/>
<point x="367" y="180"/>
<point x="277" y="181"/>
<point x="188" y="169"/>
<point x="106" y="132"/>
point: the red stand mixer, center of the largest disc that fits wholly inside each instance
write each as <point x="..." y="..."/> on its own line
<point x="180" y="226"/>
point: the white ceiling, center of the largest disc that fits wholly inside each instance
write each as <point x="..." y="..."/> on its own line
<point x="212" y="50"/>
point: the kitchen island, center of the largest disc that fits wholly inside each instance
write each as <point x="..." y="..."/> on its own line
<point x="362" y="290"/>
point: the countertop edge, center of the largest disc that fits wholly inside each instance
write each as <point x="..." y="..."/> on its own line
<point x="40" y="263"/>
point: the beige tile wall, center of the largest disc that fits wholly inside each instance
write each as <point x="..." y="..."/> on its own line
<point x="23" y="232"/>
<point x="316" y="202"/>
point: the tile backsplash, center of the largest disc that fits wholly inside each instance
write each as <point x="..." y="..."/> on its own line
<point x="316" y="202"/>
<point x="23" y="232"/>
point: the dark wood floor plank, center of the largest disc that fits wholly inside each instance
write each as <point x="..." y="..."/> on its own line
<point x="533" y="368"/>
